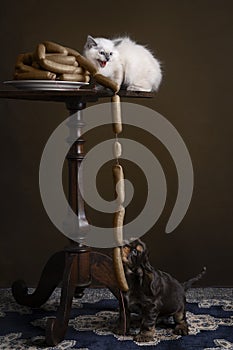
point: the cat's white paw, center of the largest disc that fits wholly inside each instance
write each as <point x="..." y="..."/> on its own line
<point x="137" y="88"/>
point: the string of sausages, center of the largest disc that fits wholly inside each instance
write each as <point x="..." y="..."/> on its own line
<point x="52" y="61"/>
<point x="118" y="176"/>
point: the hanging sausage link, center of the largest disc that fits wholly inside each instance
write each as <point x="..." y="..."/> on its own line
<point x="118" y="176"/>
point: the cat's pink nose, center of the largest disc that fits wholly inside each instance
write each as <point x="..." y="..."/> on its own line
<point x="107" y="56"/>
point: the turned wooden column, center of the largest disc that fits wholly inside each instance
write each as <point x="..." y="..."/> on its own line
<point x="75" y="157"/>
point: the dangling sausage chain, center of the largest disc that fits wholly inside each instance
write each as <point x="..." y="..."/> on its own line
<point x="118" y="221"/>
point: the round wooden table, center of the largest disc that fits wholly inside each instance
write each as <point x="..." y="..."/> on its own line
<point x="77" y="266"/>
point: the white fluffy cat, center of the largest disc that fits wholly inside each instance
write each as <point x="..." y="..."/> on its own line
<point x="129" y="64"/>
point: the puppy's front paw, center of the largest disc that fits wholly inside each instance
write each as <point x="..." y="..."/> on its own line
<point x="145" y="336"/>
<point x="181" y="329"/>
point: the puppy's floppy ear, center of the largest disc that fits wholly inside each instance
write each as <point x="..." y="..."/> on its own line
<point x="145" y="263"/>
<point x="90" y="42"/>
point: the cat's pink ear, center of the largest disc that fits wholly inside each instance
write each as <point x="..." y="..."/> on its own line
<point x="90" y="42"/>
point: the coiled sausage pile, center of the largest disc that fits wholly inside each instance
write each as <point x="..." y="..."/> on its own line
<point x="53" y="61"/>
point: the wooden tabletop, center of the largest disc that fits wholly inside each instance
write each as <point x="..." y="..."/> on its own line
<point x="66" y="95"/>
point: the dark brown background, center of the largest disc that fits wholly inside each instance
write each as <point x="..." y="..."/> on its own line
<point x="193" y="39"/>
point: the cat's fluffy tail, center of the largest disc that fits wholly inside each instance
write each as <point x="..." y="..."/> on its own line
<point x="188" y="284"/>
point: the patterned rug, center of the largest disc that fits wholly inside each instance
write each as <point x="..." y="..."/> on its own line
<point x="209" y="314"/>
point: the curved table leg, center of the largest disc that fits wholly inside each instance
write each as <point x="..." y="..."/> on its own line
<point x="70" y="267"/>
<point x="102" y="273"/>
<point x="50" y="278"/>
<point x="57" y="326"/>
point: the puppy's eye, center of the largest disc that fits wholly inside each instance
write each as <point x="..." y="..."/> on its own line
<point x="134" y="252"/>
<point x="110" y="53"/>
<point x="102" y="52"/>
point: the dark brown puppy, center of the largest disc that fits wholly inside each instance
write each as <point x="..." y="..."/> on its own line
<point x="152" y="293"/>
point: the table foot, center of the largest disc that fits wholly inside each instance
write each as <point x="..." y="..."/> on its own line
<point x="57" y="326"/>
<point x="50" y="278"/>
